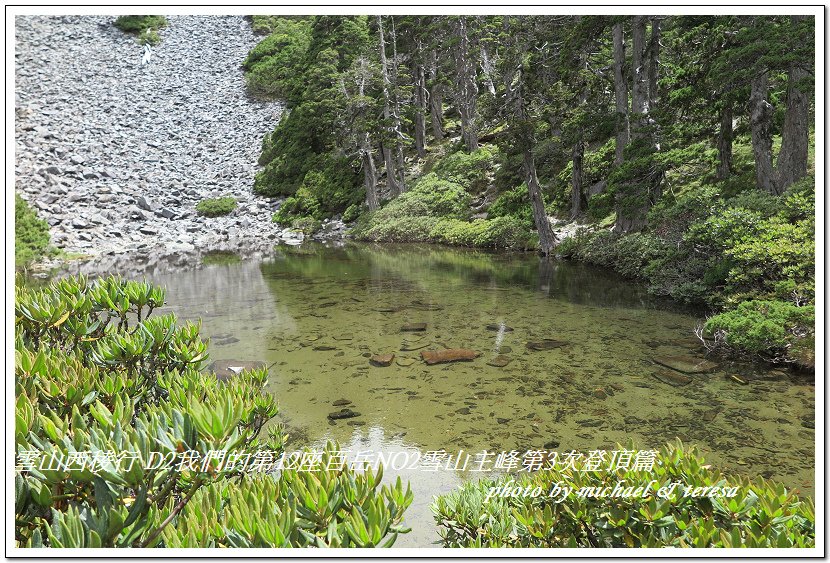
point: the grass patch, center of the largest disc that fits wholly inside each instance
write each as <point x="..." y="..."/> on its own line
<point x="216" y="207"/>
<point x="144" y="27"/>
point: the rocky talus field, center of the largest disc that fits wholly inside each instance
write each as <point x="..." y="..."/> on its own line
<point x="115" y="153"/>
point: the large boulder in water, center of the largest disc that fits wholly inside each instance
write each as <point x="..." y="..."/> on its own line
<point x="225" y="369"/>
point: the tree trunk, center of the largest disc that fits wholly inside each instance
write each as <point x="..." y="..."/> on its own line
<point x="620" y="94"/>
<point x="436" y="101"/>
<point x="792" y="159"/>
<point x="577" y="194"/>
<point x="389" y="162"/>
<point x="635" y="194"/>
<point x="760" y="122"/>
<point x="724" y="169"/>
<point x="653" y="63"/>
<point x="396" y="113"/>
<point x="420" y="111"/>
<point x="523" y="135"/>
<point x="370" y="176"/>
<point x="391" y="176"/>
<point x="467" y="87"/>
<point x="488" y="70"/>
<point x="547" y="240"/>
<point x="639" y="91"/>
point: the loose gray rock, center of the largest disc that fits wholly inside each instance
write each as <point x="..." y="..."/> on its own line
<point x="92" y="123"/>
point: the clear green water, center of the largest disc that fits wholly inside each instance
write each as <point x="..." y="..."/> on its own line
<point x="314" y="314"/>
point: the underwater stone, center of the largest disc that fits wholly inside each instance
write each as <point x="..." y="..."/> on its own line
<point x="382" y="360"/>
<point x="686" y="364"/>
<point x="546" y="344"/>
<point x="414" y="327"/>
<point x="432" y="357"/>
<point x="342" y="414"/>
<point x="672" y="377"/>
<point x="341" y="402"/>
<point x="499" y="361"/>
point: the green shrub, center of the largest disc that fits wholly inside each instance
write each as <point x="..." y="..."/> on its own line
<point x="760" y="514"/>
<point x="769" y="328"/>
<point x="412" y="216"/>
<point x="395" y="229"/>
<point x="513" y="203"/>
<point x="352" y="213"/>
<point x="301" y="204"/>
<point x="430" y="197"/>
<point x="306" y="225"/>
<point x="567" y="247"/>
<point x="273" y="64"/>
<point x="469" y="170"/>
<point x="149" y="37"/>
<point x="31" y="234"/>
<point x="215" y="207"/>
<point x="501" y="232"/>
<point x="138" y="24"/>
<point x="630" y="255"/>
<point x="96" y="373"/>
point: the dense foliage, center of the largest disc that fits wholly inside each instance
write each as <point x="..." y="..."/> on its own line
<point x="31" y="234"/>
<point x="725" y="253"/>
<point x="682" y="143"/>
<point x="122" y="441"/>
<point x="215" y="207"/>
<point x="437" y="210"/>
<point x="761" y="514"/>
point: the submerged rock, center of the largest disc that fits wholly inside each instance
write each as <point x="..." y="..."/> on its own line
<point x="382" y="360"/>
<point x="323" y="348"/>
<point x="672" y="377"/>
<point x="546" y="344"/>
<point x="414" y="327"/>
<point x="432" y="357"/>
<point x="343" y="414"/>
<point x="341" y="403"/>
<point x="225" y="369"/>
<point x="499" y="361"/>
<point x="686" y="364"/>
<point x="497" y="327"/>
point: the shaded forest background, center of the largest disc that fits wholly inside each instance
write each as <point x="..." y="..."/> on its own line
<point x="678" y="147"/>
